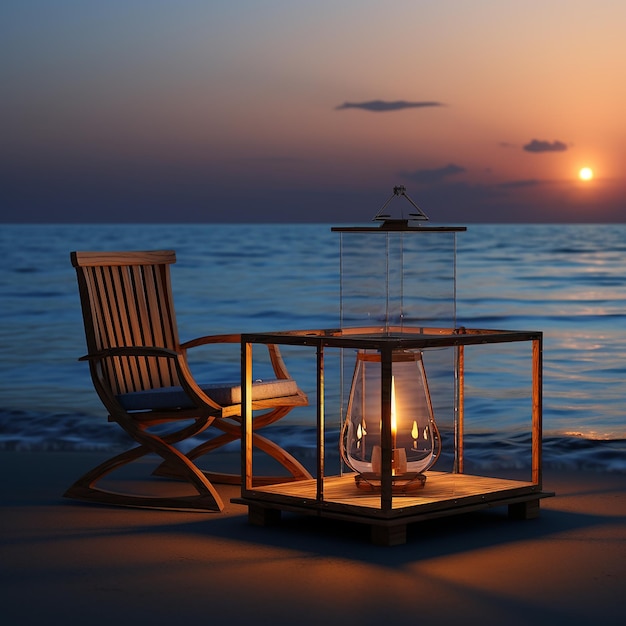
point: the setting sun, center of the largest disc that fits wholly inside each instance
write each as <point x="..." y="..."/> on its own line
<point x="586" y="173"/>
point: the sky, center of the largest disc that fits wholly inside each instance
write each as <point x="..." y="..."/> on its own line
<point x="311" y="111"/>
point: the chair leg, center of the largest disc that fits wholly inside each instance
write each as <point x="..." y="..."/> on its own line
<point x="296" y="470"/>
<point x="290" y="463"/>
<point x="207" y="498"/>
<point x="232" y="432"/>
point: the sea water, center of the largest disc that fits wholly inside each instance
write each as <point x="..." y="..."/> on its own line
<point x="568" y="281"/>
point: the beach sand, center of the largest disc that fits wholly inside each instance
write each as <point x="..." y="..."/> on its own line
<point x="67" y="561"/>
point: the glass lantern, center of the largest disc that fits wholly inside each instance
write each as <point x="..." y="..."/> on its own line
<point x="397" y="276"/>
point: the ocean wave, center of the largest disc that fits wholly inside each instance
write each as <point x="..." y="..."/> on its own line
<point x="484" y="452"/>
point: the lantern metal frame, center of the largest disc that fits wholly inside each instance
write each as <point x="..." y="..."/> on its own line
<point x="385" y="512"/>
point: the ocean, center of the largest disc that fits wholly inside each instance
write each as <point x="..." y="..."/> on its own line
<point x="568" y="281"/>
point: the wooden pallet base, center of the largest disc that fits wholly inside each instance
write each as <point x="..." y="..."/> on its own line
<point x="442" y="495"/>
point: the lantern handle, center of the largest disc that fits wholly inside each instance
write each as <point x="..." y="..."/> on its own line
<point x="400" y="190"/>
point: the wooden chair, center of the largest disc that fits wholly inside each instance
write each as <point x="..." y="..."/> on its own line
<point x="141" y="374"/>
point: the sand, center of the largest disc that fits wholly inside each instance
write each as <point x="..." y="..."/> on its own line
<point x="67" y="561"/>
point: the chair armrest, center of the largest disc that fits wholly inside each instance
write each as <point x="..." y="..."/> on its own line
<point x="131" y="351"/>
<point x="280" y="369"/>
<point x="182" y="368"/>
<point x="278" y="364"/>
<point x="208" y="339"/>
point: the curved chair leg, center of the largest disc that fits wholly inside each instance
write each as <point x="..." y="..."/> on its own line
<point x="296" y="469"/>
<point x="207" y="497"/>
<point x="232" y="432"/>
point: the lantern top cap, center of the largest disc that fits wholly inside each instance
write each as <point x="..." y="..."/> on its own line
<point x="389" y="223"/>
<point x="392" y="223"/>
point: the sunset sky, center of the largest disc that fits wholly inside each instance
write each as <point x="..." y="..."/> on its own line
<point x="311" y="111"/>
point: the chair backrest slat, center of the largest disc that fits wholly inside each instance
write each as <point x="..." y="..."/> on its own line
<point x="126" y="300"/>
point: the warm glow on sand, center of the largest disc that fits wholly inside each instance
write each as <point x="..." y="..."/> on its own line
<point x="585" y="173"/>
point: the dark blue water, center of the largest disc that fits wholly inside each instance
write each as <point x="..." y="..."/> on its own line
<point x="568" y="281"/>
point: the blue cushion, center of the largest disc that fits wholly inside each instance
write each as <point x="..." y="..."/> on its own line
<point x="224" y="394"/>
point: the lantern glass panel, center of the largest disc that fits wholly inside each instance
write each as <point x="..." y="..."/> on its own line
<point x="395" y="278"/>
